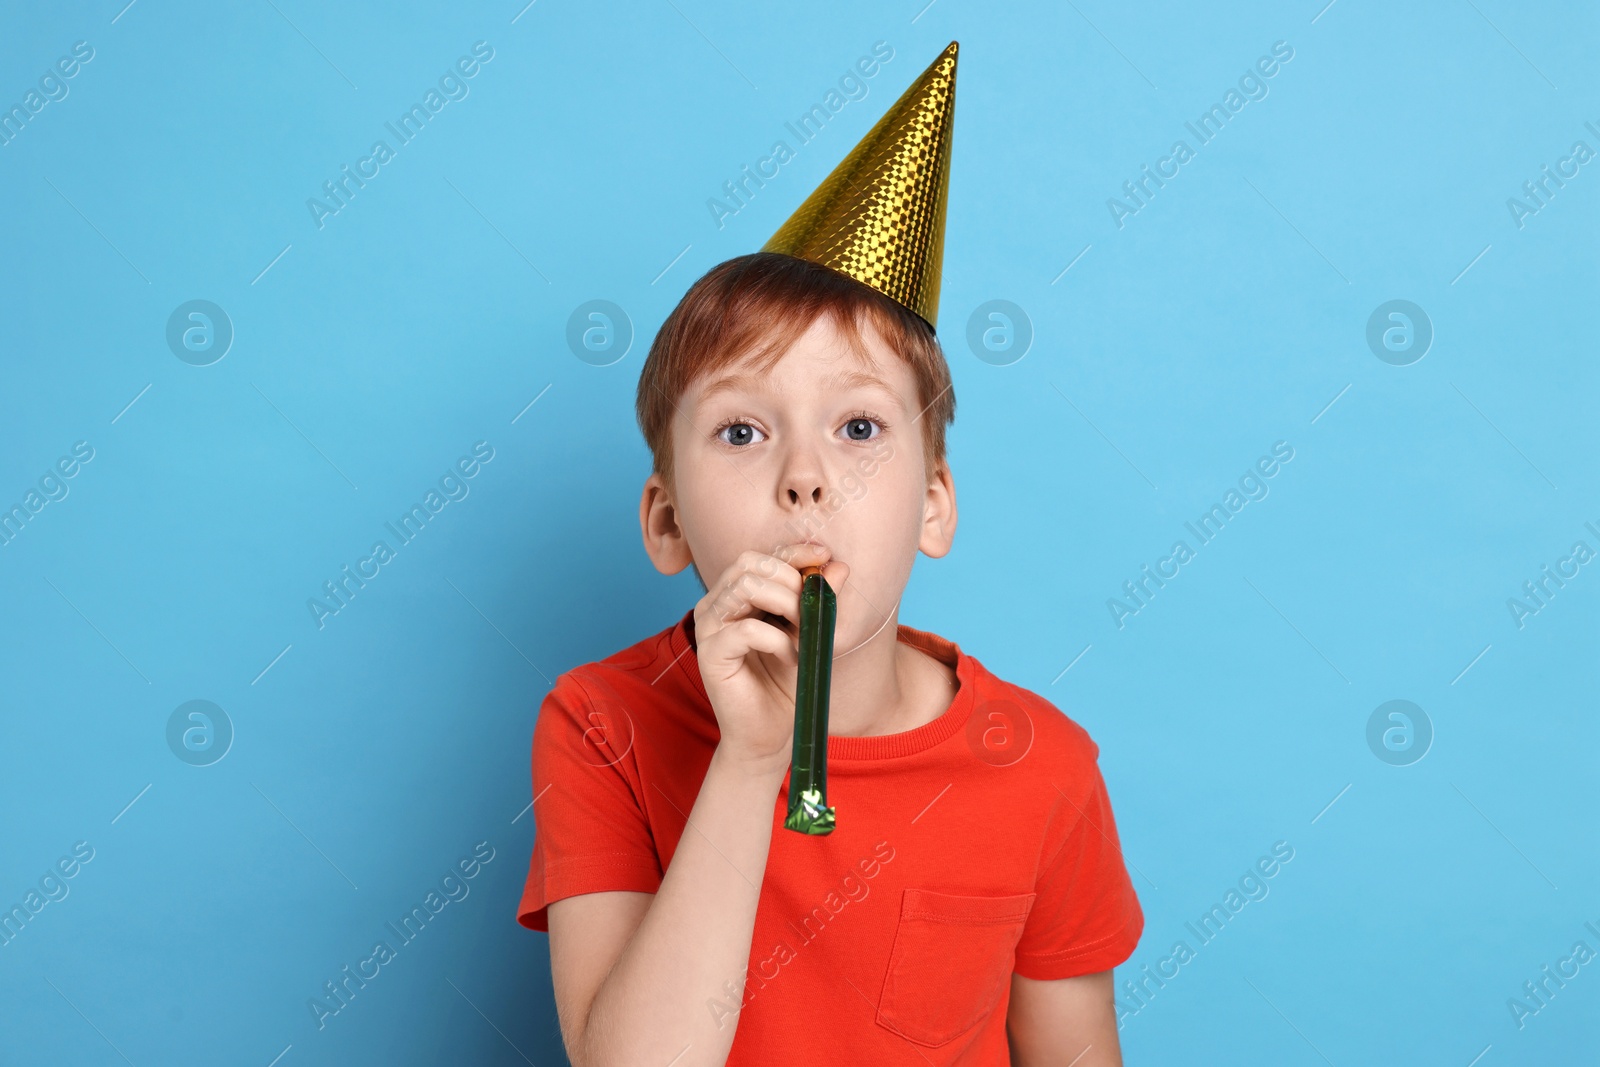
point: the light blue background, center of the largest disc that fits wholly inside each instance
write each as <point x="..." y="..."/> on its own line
<point x="429" y="313"/>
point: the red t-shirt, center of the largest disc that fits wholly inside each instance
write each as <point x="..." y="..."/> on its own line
<point x="974" y="846"/>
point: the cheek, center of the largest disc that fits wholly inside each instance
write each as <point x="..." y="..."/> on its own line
<point x="886" y="525"/>
<point x="717" y="511"/>
<point x="893" y="500"/>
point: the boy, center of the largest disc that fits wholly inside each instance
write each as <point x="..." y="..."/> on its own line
<point x="972" y="900"/>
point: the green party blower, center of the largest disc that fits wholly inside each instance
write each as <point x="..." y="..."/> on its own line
<point x="809" y="812"/>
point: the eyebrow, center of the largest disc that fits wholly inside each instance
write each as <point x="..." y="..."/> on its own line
<point x="752" y="383"/>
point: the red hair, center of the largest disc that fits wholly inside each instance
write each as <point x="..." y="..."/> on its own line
<point x="756" y="306"/>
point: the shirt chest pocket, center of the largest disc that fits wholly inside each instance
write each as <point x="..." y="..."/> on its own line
<point x="952" y="957"/>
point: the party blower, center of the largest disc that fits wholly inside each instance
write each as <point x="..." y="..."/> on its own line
<point x="809" y="812"/>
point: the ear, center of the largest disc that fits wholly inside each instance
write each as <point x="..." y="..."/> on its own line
<point x="664" y="541"/>
<point x="939" y="514"/>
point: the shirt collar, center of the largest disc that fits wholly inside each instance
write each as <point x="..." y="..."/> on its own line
<point x="681" y="642"/>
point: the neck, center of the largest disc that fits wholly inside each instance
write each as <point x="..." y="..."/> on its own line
<point x="875" y="685"/>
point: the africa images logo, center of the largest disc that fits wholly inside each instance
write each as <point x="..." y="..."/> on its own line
<point x="452" y="85"/>
<point x="454" y="485"/>
<point x="852" y="85"/>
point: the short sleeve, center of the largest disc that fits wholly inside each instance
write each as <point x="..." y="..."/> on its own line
<point x="1086" y="917"/>
<point x="591" y="832"/>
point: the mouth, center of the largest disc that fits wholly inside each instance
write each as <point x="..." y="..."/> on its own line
<point x="833" y="553"/>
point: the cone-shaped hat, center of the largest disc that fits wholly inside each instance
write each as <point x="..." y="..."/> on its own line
<point x="879" y="217"/>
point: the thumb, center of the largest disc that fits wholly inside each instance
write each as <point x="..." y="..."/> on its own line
<point x="836" y="573"/>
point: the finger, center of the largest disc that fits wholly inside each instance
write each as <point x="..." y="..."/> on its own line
<point x="741" y="637"/>
<point x="729" y="594"/>
<point x="771" y="600"/>
<point x="727" y="597"/>
<point x="752" y="595"/>
<point x="836" y="573"/>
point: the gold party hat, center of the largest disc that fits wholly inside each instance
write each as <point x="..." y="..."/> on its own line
<point x="879" y="217"/>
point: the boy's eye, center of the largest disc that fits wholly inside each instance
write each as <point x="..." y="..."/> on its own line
<point x="737" y="434"/>
<point x="741" y="434"/>
<point x="860" y="428"/>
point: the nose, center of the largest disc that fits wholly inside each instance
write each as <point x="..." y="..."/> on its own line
<point x="802" y="485"/>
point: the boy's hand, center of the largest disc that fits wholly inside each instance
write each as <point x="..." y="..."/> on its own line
<point x="752" y="608"/>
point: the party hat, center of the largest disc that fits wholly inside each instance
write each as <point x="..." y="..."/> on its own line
<point x="879" y="217"/>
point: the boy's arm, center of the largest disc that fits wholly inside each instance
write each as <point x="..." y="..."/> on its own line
<point x="665" y="987"/>
<point x="1064" y="1021"/>
<point x="587" y="934"/>
<point x="637" y="977"/>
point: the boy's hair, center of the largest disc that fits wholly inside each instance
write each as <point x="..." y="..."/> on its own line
<point x="756" y="306"/>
